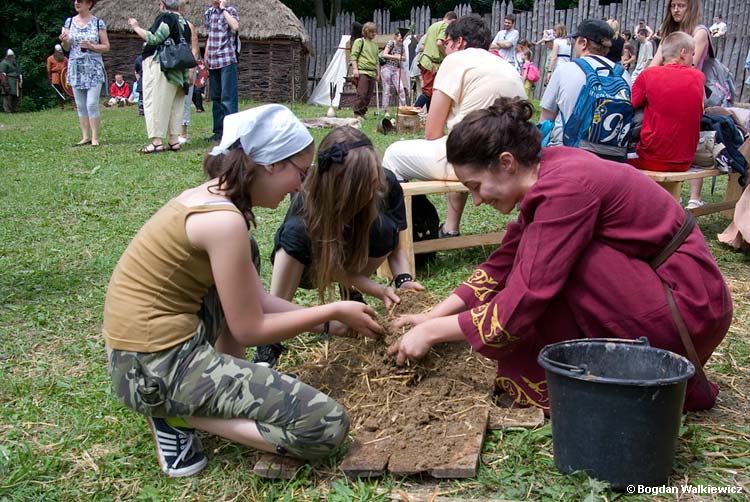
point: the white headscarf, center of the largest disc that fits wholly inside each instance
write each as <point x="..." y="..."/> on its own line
<point x="268" y="133"/>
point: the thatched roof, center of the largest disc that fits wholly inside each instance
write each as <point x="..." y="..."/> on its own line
<point x="259" y="19"/>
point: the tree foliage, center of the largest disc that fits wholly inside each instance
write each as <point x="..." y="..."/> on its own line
<point x="31" y="29"/>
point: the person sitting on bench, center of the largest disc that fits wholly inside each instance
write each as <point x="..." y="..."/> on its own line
<point x="470" y="78"/>
<point x="672" y="100"/>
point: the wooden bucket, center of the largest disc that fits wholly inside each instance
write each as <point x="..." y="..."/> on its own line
<point x="407" y="123"/>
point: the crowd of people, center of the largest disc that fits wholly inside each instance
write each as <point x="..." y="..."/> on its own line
<point x="597" y="250"/>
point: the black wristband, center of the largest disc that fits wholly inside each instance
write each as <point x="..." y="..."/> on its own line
<point x="401" y="279"/>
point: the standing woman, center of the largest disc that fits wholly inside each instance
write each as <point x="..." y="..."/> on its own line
<point x="561" y="49"/>
<point x="596" y="251"/>
<point x="184" y="302"/>
<point x="192" y="75"/>
<point x="618" y="42"/>
<point x="85" y="36"/>
<point x="390" y="72"/>
<point x="686" y="16"/>
<point x="163" y="92"/>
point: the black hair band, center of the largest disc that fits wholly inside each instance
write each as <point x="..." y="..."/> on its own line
<point x="337" y="153"/>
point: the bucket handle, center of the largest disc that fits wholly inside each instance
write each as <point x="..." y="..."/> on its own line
<point x="582" y="369"/>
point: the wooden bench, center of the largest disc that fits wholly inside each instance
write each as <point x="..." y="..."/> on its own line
<point x="672" y="182"/>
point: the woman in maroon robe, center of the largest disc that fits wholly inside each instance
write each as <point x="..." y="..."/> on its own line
<point x="574" y="264"/>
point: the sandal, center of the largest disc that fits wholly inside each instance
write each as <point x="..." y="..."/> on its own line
<point x="154" y="148"/>
<point x="82" y="143"/>
<point x="174" y="147"/>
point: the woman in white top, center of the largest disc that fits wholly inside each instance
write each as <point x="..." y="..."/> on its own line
<point x="561" y="49"/>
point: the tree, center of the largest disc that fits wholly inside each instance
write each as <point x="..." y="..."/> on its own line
<point x="31" y="29"/>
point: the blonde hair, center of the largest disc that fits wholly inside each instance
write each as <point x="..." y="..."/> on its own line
<point x="369" y="28"/>
<point x="674" y="43"/>
<point x="615" y="27"/>
<point x="560" y="31"/>
<point x="343" y="197"/>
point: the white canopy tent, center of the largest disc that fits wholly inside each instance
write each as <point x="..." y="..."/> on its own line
<point x="337" y="71"/>
<point x="334" y="74"/>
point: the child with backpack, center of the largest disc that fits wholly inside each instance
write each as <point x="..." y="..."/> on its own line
<point x="529" y="73"/>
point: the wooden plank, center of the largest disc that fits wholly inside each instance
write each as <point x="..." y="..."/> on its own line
<point x="367" y="457"/>
<point x="500" y="418"/>
<point x="428" y="187"/>
<point x="460" y="242"/>
<point x="431" y="495"/>
<point x="660" y="177"/>
<point x="465" y="459"/>
<point x="277" y="467"/>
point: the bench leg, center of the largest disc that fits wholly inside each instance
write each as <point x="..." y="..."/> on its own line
<point x="732" y="193"/>
<point x="673" y="187"/>
<point x="406" y="237"/>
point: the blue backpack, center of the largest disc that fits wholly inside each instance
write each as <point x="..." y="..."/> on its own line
<point x="603" y="114"/>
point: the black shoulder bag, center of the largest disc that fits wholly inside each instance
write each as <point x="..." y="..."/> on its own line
<point x="177" y="56"/>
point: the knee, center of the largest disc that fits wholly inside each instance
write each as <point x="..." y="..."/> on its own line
<point x="324" y="438"/>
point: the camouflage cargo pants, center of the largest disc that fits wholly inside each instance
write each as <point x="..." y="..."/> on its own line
<point x="192" y="379"/>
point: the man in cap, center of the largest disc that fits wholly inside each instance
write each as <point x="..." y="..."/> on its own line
<point x="593" y="39"/>
<point x="11" y="82"/>
<point x="56" y="63"/>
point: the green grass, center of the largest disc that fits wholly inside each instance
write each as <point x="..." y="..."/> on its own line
<point x="67" y="214"/>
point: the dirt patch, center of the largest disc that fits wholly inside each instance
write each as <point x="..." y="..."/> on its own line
<point x="422" y="406"/>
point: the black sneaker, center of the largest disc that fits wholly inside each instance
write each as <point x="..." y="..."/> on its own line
<point x="179" y="451"/>
<point x="268" y="355"/>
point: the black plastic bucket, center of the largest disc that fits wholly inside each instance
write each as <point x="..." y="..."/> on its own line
<point x="615" y="407"/>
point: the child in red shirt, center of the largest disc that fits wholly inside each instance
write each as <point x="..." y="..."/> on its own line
<point x="119" y="92"/>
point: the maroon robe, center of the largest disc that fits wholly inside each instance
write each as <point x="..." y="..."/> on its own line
<point x="574" y="265"/>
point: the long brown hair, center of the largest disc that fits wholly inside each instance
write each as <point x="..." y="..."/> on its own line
<point x="480" y="138"/>
<point x="343" y="198"/>
<point x="693" y="18"/>
<point x="235" y="172"/>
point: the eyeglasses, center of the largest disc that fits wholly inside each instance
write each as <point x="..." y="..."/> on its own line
<point x="302" y="172"/>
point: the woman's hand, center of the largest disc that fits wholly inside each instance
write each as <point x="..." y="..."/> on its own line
<point x="409" y="319"/>
<point x="413" y="285"/>
<point x="86" y="44"/>
<point x="413" y="345"/>
<point x="132" y="22"/>
<point x="389" y="298"/>
<point x="359" y="317"/>
<point x="64" y="35"/>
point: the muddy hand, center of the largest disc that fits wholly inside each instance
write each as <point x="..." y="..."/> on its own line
<point x="413" y="346"/>
<point x="390" y="298"/>
<point x="359" y="317"/>
<point x="409" y="320"/>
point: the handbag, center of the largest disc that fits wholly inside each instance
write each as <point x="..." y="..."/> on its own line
<point x="177" y="56"/>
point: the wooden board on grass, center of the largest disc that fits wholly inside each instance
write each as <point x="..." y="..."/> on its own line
<point x="464" y="459"/>
<point x="501" y="418"/>
<point x="367" y="457"/>
<point x="277" y="467"/>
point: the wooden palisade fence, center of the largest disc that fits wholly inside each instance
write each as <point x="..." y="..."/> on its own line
<point x="731" y="49"/>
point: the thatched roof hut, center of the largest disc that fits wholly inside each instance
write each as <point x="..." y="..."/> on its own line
<point x="273" y="61"/>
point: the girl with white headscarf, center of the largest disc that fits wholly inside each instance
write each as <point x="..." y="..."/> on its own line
<point x="177" y="345"/>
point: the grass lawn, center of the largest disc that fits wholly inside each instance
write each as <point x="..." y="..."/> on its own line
<point x="66" y="216"/>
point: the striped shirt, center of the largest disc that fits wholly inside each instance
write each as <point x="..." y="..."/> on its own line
<point x="220" y="46"/>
